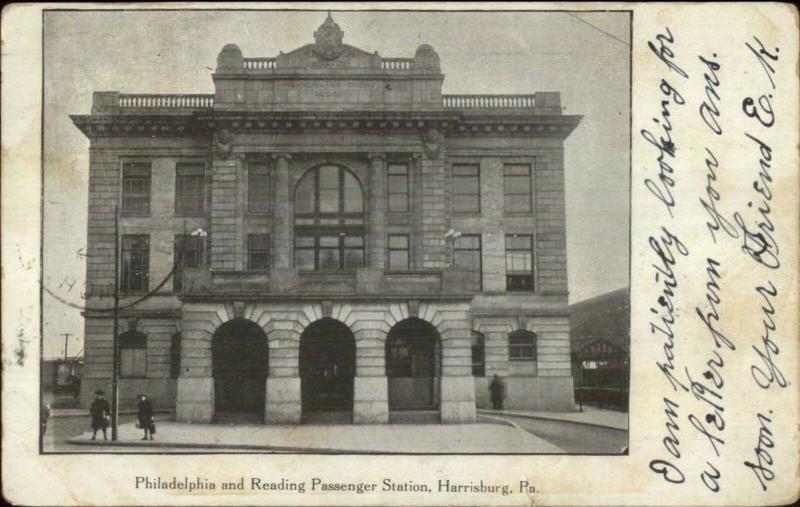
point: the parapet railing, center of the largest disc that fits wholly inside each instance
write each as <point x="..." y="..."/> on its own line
<point x="160" y="101"/>
<point x="487" y="101"/>
<point x="396" y="63"/>
<point x="259" y="63"/>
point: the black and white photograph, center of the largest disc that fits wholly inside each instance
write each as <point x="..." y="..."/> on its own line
<point x="400" y="254"/>
<point x="336" y="232"/>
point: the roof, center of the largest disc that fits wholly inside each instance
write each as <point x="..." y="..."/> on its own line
<point x="605" y="318"/>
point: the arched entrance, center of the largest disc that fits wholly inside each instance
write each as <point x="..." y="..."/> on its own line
<point x="240" y="359"/>
<point x="413" y="365"/>
<point x="327" y="368"/>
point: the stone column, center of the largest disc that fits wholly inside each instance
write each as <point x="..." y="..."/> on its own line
<point x="283" y="276"/>
<point x="195" y="396"/>
<point x="283" y="396"/>
<point x="371" y="387"/>
<point x="377" y="211"/>
<point x="434" y="217"/>
<point x="457" y="398"/>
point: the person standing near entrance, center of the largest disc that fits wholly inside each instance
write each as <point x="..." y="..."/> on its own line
<point x="497" y="389"/>
<point x="145" y="416"/>
<point x="100" y="411"/>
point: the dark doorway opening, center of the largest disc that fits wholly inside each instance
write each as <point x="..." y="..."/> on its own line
<point x="327" y="368"/>
<point x="240" y="358"/>
<point x="412" y="365"/>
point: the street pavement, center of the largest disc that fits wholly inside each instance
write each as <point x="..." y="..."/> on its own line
<point x="495" y="432"/>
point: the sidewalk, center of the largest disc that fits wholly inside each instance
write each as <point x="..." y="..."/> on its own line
<point x="369" y="438"/>
<point x="590" y="416"/>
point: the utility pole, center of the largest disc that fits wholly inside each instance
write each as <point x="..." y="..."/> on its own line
<point x="115" y="347"/>
<point x="66" y="345"/>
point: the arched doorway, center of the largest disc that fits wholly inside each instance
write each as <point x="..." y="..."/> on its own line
<point x="240" y="359"/>
<point x="413" y="365"/>
<point x="327" y="368"/>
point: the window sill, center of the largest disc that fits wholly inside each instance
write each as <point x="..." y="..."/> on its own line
<point x="517" y="360"/>
<point x="133" y="376"/>
<point x="529" y="214"/>
<point x="201" y="214"/>
<point x="129" y="214"/>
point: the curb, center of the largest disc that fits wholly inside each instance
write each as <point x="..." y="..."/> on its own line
<point x="194" y="445"/>
<point x="546" y="418"/>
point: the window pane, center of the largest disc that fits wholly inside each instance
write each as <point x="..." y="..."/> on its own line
<point x="519" y="242"/>
<point x="304" y="259"/>
<point x="465" y="185"/>
<point x="304" y="197"/>
<point x="398" y="203"/>
<point x="395" y="169"/>
<point x="466" y="204"/>
<point x="354" y="241"/>
<point x="519" y="262"/>
<point x="328" y="200"/>
<point x="517" y="169"/>
<point x="518" y="203"/>
<point x="398" y="241"/>
<point x="258" y="189"/>
<point x="353" y="198"/>
<point x="353" y="258"/>
<point x="465" y="170"/>
<point x="329" y="241"/>
<point x="304" y="241"/>
<point x="398" y="259"/>
<point x="328" y="258"/>
<point x="470" y="242"/>
<point x="329" y="177"/>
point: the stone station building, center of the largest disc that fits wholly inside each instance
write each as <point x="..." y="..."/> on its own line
<point x="327" y="236"/>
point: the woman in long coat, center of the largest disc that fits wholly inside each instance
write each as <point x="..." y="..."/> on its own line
<point x="100" y="412"/>
<point x="145" y="416"/>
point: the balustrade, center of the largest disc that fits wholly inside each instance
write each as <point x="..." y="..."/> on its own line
<point x="487" y="101"/>
<point x="140" y="101"/>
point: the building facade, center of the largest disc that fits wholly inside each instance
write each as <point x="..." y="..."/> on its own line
<point x="325" y="233"/>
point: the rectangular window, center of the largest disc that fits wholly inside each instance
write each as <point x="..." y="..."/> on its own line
<point x="135" y="263"/>
<point x="188" y="253"/>
<point x="329" y="252"/>
<point x="478" y="356"/>
<point x="517" y="188"/>
<point x="467" y="260"/>
<point x="175" y="356"/>
<point x="258" y="191"/>
<point x="190" y="189"/>
<point x="399" y="259"/>
<point x="304" y="253"/>
<point x="258" y="252"/>
<point x="397" y="188"/>
<point x="519" y="262"/>
<point x="466" y="188"/>
<point x="136" y="188"/>
<point x="522" y="346"/>
<point x="132" y="355"/>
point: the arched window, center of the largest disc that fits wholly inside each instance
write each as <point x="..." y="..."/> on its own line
<point x="329" y="220"/>
<point x="522" y="346"/>
<point x="132" y="354"/>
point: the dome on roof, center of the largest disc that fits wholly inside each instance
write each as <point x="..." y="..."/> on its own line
<point x="426" y="58"/>
<point x="230" y="58"/>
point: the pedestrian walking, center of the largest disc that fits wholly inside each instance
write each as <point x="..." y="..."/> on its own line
<point x="497" y="389"/>
<point x="44" y="415"/>
<point x="145" y="416"/>
<point x="100" y="411"/>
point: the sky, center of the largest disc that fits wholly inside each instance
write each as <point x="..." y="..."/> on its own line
<point x="585" y="56"/>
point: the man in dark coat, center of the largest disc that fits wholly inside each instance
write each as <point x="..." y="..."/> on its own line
<point x="100" y="412"/>
<point x="497" y="389"/>
<point x="145" y="416"/>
